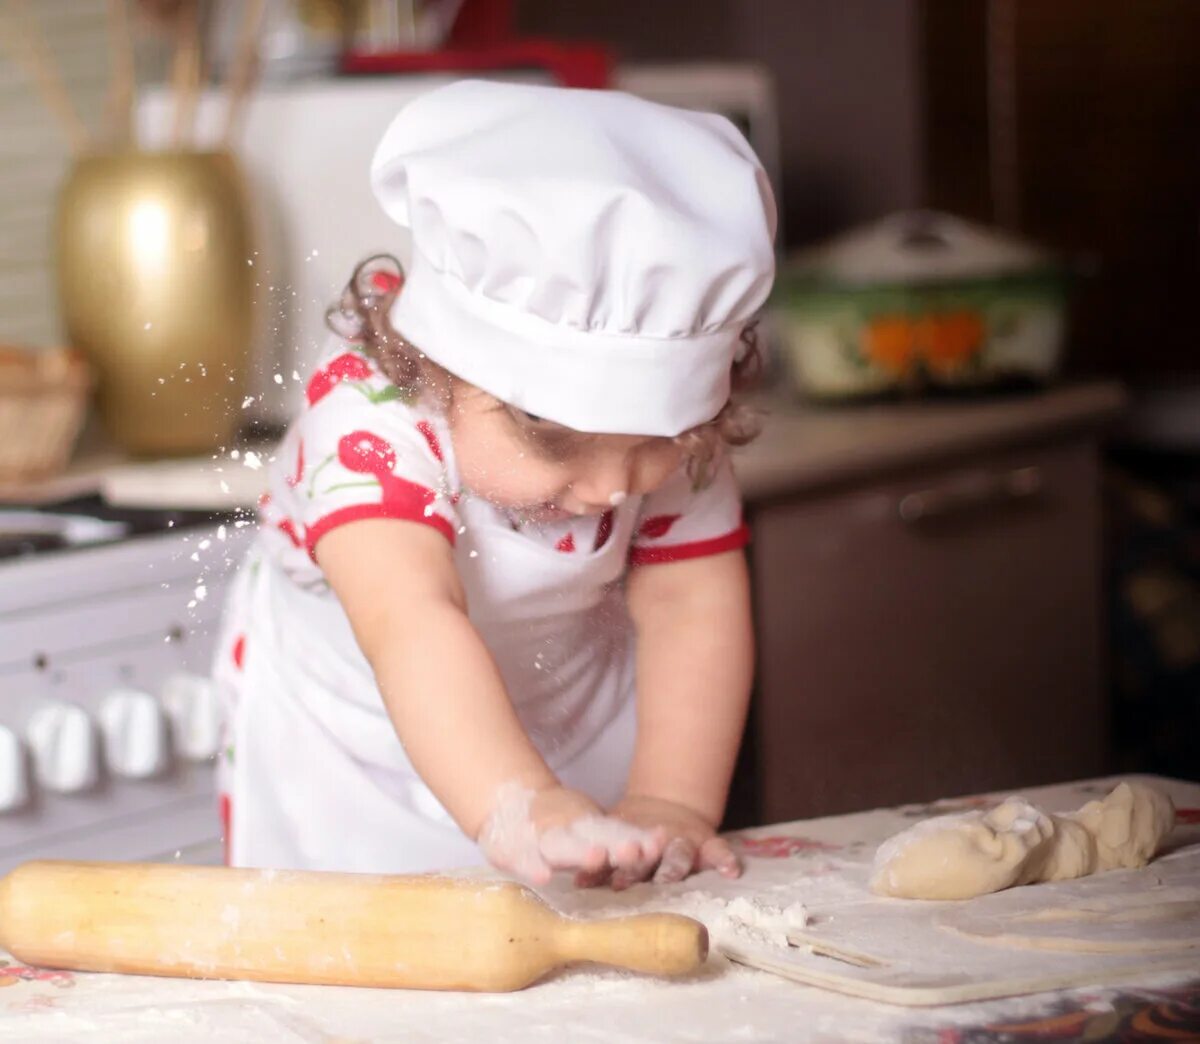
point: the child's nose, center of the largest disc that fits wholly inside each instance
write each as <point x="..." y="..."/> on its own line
<point x="604" y="487"/>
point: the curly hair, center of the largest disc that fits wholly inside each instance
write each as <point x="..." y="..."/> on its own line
<point x="361" y="316"/>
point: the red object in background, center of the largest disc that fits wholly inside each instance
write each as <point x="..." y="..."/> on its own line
<point x="481" y="23"/>
<point x="782" y="846"/>
<point x="482" y="40"/>
<point x="572" y="65"/>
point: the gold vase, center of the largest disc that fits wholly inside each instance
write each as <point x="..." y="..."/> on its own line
<point x="155" y="286"/>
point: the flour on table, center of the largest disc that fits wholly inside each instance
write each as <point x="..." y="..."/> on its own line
<point x="758" y="921"/>
<point x="742" y="918"/>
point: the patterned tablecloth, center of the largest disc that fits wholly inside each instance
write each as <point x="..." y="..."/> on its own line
<point x="807" y="862"/>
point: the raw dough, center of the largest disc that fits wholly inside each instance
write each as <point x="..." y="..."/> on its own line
<point x="1016" y="843"/>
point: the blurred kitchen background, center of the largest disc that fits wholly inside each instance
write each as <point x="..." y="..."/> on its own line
<point x="976" y="501"/>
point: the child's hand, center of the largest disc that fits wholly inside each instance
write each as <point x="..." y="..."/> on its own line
<point x="692" y="845"/>
<point x="532" y="834"/>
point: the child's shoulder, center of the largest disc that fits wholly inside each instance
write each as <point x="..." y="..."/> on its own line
<point x="362" y="447"/>
<point x="353" y="408"/>
<point x="347" y="374"/>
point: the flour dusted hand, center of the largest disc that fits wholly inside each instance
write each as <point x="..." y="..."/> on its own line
<point x="533" y="833"/>
<point x="691" y="844"/>
<point x="1016" y="843"/>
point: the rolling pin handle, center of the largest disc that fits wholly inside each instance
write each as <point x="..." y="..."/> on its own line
<point x="656" y="944"/>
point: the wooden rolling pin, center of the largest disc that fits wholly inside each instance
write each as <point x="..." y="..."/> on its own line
<point x="427" y="932"/>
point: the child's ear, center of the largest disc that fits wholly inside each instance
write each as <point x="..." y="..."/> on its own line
<point x="438" y="383"/>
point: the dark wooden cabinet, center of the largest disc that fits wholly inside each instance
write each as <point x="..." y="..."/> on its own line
<point x="931" y="632"/>
<point x="1074" y="122"/>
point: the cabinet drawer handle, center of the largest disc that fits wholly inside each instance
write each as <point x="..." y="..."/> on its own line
<point x="994" y="490"/>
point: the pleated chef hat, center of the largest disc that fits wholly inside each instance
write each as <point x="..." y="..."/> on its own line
<point x="586" y="256"/>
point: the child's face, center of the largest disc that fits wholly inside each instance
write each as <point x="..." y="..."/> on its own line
<point x="522" y="462"/>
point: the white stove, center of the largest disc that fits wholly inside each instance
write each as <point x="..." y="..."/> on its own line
<point x="109" y="727"/>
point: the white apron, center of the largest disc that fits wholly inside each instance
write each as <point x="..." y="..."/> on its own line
<point x="317" y="777"/>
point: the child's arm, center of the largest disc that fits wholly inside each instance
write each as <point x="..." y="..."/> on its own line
<point x="397" y="582"/>
<point x="695" y="652"/>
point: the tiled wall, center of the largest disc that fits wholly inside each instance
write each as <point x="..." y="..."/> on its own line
<point x="34" y="158"/>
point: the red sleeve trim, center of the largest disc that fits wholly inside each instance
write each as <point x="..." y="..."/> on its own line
<point x="360" y="512"/>
<point x="435" y="447"/>
<point x="731" y="541"/>
<point x="225" y="811"/>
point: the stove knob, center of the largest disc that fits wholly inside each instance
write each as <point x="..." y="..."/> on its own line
<point x="195" y="714"/>
<point x="135" y="734"/>
<point x="14" y="773"/>
<point x="64" y="748"/>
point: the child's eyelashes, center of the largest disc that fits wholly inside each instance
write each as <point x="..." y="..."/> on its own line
<point x="549" y="438"/>
<point x="532" y="420"/>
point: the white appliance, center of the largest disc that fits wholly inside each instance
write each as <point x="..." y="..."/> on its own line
<point x="306" y="149"/>
<point x="109" y="728"/>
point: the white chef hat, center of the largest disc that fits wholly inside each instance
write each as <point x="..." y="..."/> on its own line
<point x="586" y="256"/>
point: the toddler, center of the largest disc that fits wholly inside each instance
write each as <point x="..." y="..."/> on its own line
<point x="498" y="607"/>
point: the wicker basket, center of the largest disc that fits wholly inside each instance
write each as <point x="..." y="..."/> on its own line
<point x="43" y="404"/>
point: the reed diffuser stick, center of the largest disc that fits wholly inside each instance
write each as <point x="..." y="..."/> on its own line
<point x="185" y="71"/>
<point x="123" y="78"/>
<point x="29" y="50"/>
<point x="245" y="66"/>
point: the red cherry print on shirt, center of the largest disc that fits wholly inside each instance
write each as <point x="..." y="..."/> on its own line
<point x="435" y="447"/>
<point x="366" y="454"/>
<point x="566" y="544"/>
<point x="288" y="529"/>
<point x="603" y="530"/>
<point x="346" y="367"/>
<point x="319" y="385"/>
<point x="656" y="526"/>
<point x="239" y="651"/>
<point x="285" y="525"/>
<point x="294" y="480"/>
<point x="350" y="367"/>
<point x="225" y="811"/>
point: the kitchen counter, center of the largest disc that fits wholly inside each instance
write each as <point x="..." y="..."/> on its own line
<point x="804" y="448"/>
<point x="815" y="862"/>
<point x="801" y="448"/>
<point x="900" y="552"/>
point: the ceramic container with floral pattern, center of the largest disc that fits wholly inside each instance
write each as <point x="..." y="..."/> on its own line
<point x="918" y="302"/>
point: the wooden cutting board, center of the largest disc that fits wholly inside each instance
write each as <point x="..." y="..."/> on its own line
<point x="1099" y="930"/>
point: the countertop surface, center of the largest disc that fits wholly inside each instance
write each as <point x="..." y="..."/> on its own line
<point x="802" y="448"/>
<point x="820" y="863"/>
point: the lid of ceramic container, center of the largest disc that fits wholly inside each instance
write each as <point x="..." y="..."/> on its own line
<point x="920" y="246"/>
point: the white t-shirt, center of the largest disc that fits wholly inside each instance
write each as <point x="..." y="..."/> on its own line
<point x="363" y="448"/>
<point x="547" y="599"/>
